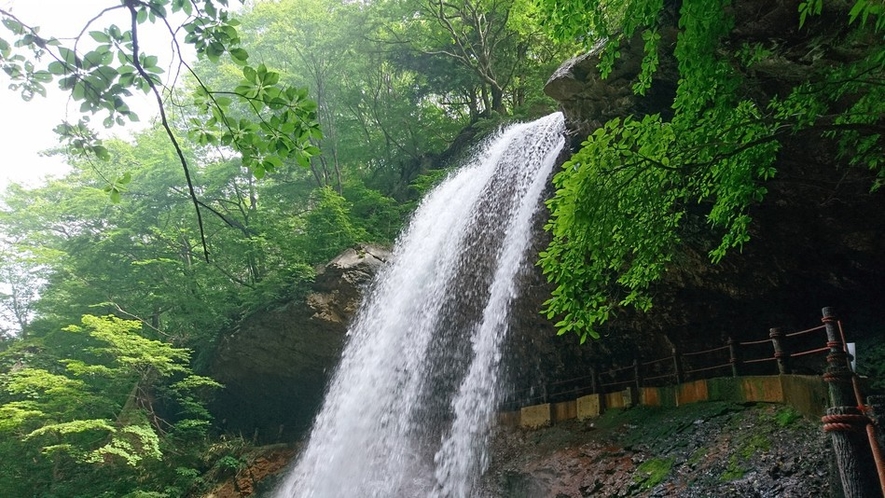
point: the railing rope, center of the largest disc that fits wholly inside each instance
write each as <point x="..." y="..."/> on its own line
<point x="845" y="422"/>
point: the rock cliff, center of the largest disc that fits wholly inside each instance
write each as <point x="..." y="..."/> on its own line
<point x="817" y="237"/>
<point x="275" y="365"/>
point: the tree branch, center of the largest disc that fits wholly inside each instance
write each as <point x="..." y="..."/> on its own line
<point x="130" y="4"/>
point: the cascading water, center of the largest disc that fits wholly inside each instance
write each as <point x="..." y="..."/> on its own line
<point x="409" y="410"/>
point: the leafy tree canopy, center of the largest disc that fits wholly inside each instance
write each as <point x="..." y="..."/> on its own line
<point x="111" y="406"/>
<point x="105" y="63"/>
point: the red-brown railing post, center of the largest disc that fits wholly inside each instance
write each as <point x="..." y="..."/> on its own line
<point x="780" y="354"/>
<point x="733" y="357"/>
<point x="677" y="367"/>
<point x="845" y="423"/>
<point x="594" y="381"/>
<point x="637" y="375"/>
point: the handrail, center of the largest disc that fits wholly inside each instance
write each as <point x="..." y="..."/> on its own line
<point x="674" y="370"/>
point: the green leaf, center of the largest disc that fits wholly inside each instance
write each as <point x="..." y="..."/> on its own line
<point x="78" y="92"/>
<point x="271" y="78"/>
<point x="13" y="25"/>
<point x="149" y="62"/>
<point x="100" y="36"/>
<point x="239" y="56"/>
<point x="42" y="76"/>
<point x="68" y="56"/>
<point x="57" y="68"/>
<point x="214" y="51"/>
<point x="101" y="152"/>
<point x="250" y="74"/>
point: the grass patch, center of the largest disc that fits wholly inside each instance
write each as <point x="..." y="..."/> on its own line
<point x="786" y="416"/>
<point x="733" y="471"/>
<point x="758" y="442"/>
<point x="652" y="472"/>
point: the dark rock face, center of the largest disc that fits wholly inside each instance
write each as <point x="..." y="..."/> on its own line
<point x="276" y="364"/>
<point x="588" y="101"/>
<point x="817" y="238"/>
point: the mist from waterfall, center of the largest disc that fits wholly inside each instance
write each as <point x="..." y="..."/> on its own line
<point x="408" y="412"/>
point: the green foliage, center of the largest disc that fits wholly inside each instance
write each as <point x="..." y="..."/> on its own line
<point x="330" y="226"/>
<point x="278" y="123"/>
<point x="376" y="217"/>
<point x="112" y="407"/>
<point x="286" y="126"/>
<point x="229" y="465"/>
<point x="626" y="202"/>
<point x="101" y="413"/>
<point x="871" y="364"/>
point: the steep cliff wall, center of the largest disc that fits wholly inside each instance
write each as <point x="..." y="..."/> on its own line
<point x="818" y="235"/>
<point x="275" y="365"/>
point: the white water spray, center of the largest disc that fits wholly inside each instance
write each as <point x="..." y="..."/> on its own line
<point x="409" y="410"/>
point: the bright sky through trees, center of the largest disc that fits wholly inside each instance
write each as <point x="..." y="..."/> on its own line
<point x="26" y="127"/>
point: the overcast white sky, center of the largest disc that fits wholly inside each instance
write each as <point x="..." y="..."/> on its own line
<point x="26" y="127"/>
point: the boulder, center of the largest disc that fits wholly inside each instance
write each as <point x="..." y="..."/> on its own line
<point x="588" y="100"/>
<point x="276" y="363"/>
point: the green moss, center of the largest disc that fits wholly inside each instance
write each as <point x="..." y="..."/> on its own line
<point x="697" y="456"/>
<point x="733" y="471"/>
<point x="611" y="418"/>
<point x="652" y="472"/>
<point x="786" y="416"/>
<point x="745" y="451"/>
<point x="756" y="443"/>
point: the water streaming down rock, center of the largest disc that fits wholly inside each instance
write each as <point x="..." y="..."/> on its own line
<point x="408" y="411"/>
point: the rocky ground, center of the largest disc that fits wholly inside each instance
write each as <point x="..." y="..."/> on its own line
<point x="264" y="466"/>
<point x="702" y="450"/>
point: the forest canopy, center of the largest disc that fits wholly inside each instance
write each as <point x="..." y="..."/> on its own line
<point x="302" y="128"/>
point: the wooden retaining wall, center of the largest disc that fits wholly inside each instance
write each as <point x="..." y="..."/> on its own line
<point x="806" y="393"/>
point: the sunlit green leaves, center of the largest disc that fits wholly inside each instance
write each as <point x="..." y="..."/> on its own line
<point x="286" y="124"/>
<point x="103" y="75"/>
<point x="614" y="215"/>
<point x="56" y="410"/>
<point x="809" y="7"/>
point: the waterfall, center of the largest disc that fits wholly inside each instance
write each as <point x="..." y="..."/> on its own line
<point x="409" y="410"/>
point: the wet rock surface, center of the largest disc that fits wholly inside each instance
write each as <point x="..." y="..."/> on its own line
<point x="275" y="365"/>
<point x="262" y="468"/>
<point x="700" y="450"/>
